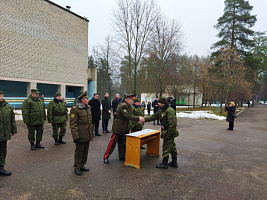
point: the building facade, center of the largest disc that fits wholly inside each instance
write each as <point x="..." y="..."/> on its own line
<point x="44" y="46"/>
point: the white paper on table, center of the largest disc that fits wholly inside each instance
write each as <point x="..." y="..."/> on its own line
<point x="142" y="132"/>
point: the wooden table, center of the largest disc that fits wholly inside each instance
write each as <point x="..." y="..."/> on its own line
<point x="135" y="140"/>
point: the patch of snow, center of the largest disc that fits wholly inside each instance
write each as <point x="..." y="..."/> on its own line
<point x="199" y="115"/>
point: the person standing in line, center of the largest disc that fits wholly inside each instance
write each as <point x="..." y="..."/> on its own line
<point x="96" y="113"/>
<point x="155" y="105"/>
<point x="148" y="108"/>
<point x="115" y="104"/>
<point x="230" y="115"/>
<point x="81" y="127"/>
<point x="57" y="114"/>
<point x="173" y="103"/>
<point x="33" y="113"/>
<point x="120" y="127"/>
<point x="106" y="109"/>
<point x="8" y="128"/>
<point x="143" y="105"/>
<point x="169" y="131"/>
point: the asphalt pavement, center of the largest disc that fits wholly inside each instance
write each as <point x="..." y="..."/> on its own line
<point x="213" y="164"/>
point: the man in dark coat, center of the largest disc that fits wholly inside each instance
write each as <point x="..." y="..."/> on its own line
<point x="120" y="127"/>
<point x="96" y="113"/>
<point x="155" y="105"/>
<point x="7" y="128"/>
<point x="173" y="103"/>
<point x="81" y="127"/>
<point x="230" y="115"/>
<point x="33" y="113"/>
<point x="115" y="104"/>
<point x="106" y="109"/>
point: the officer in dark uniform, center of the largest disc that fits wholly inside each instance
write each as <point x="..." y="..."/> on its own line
<point x="120" y="127"/>
<point x="81" y="126"/>
<point x="167" y="117"/>
<point x="7" y="128"/>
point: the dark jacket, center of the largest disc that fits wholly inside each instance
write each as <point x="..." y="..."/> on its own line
<point x="81" y="125"/>
<point x="148" y="107"/>
<point x="57" y="112"/>
<point x="121" y="123"/>
<point x="106" y="106"/>
<point x="115" y="104"/>
<point x="168" y="120"/>
<point x="155" y="105"/>
<point x="33" y="111"/>
<point x="7" y="121"/>
<point x="95" y="110"/>
<point x="173" y="104"/>
<point x="230" y="114"/>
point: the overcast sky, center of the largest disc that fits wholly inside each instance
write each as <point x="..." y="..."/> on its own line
<point x="197" y="17"/>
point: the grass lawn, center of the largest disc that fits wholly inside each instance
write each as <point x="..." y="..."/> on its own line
<point x="208" y="108"/>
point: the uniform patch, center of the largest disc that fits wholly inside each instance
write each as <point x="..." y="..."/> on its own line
<point x="72" y="116"/>
<point x="125" y="111"/>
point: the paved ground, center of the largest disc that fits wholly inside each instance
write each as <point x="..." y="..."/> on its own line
<point x="213" y="164"/>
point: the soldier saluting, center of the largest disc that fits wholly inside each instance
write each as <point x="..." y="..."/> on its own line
<point x="167" y="117"/>
<point x="82" y="132"/>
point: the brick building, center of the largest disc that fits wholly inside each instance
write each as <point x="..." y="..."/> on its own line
<point x="44" y="46"/>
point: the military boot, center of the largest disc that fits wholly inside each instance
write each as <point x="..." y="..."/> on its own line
<point x="173" y="163"/>
<point x="3" y="172"/>
<point x="60" y="141"/>
<point x="33" y="146"/>
<point x="39" y="146"/>
<point x="164" y="164"/>
<point x="56" y="141"/>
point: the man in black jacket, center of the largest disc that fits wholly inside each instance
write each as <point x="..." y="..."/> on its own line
<point x="96" y="113"/>
<point x="106" y="109"/>
<point x="155" y="105"/>
<point x="115" y="104"/>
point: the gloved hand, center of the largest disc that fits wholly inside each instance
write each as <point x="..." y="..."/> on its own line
<point x="76" y="140"/>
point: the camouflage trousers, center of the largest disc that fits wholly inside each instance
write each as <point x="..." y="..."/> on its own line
<point x="3" y="150"/>
<point x="39" y="132"/>
<point x="169" y="147"/>
<point x="56" y="127"/>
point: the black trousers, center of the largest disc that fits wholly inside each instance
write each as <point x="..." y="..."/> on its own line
<point x="231" y="125"/>
<point x="3" y="151"/>
<point x="112" y="143"/>
<point x="105" y="124"/>
<point x="96" y="126"/>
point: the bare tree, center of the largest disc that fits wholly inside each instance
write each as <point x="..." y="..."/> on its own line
<point x="133" y="23"/>
<point x="165" y="42"/>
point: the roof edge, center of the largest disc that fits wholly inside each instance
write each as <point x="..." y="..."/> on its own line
<point x="66" y="10"/>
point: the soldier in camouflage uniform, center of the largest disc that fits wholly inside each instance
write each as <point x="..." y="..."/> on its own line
<point x="7" y="128"/>
<point x="33" y="113"/>
<point x="57" y="114"/>
<point x="168" y="121"/>
<point x="136" y="110"/>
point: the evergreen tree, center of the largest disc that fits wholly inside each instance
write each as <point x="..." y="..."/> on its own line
<point x="235" y="27"/>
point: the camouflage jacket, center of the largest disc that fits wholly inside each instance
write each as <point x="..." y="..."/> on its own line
<point x="7" y="121"/>
<point x="134" y="125"/>
<point x="81" y="124"/>
<point x="33" y="111"/>
<point x="168" y="120"/>
<point x="57" y="112"/>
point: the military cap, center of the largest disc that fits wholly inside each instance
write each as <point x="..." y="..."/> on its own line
<point x="83" y="95"/>
<point x="1" y="92"/>
<point x="57" y="94"/>
<point x="136" y="100"/>
<point x="163" y="100"/>
<point x="126" y="95"/>
<point x="35" y="90"/>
